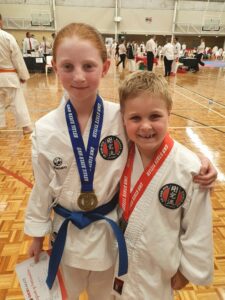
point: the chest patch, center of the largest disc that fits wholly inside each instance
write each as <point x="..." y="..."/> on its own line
<point x="58" y="163"/>
<point x="110" y="147"/>
<point x="172" y="195"/>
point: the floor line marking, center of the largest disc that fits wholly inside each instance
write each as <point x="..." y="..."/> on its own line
<point x="206" y="107"/>
<point x="16" y="176"/>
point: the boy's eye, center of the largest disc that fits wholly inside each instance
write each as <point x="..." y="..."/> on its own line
<point x="154" y="116"/>
<point x="135" y="118"/>
<point x="88" y="67"/>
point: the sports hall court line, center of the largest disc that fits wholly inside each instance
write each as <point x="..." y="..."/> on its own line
<point x="203" y="125"/>
<point x="206" y="107"/>
<point x="16" y="176"/>
<point x="11" y="130"/>
<point x="214" y="101"/>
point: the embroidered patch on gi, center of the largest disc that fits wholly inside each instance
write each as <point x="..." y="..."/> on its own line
<point x="57" y="161"/>
<point x="118" y="285"/>
<point x="172" y="195"/>
<point x="111" y="147"/>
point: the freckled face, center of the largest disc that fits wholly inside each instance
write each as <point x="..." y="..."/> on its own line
<point x="80" y="68"/>
<point x="146" y="121"/>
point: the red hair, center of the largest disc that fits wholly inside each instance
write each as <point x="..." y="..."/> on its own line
<point x="83" y="32"/>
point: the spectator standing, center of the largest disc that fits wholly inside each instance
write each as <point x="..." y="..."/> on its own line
<point x="151" y="52"/>
<point x="45" y="47"/>
<point x="28" y="44"/>
<point x="177" y="51"/>
<point x="183" y="48"/>
<point x="131" y="56"/>
<point x="122" y="54"/>
<point x="200" y="51"/>
<point x="168" y="52"/>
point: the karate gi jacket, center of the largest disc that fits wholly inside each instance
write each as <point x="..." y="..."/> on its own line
<point x="160" y="240"/>
<point x="57" y="181"/>
<point x="11" y="58"/>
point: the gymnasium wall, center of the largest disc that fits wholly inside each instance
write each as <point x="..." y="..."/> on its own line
<point x="133" y="19"/>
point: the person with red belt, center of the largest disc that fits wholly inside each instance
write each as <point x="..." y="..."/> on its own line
<point x="13" y="72"/>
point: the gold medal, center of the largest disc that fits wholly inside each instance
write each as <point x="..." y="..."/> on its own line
<point x="87" y="201"/>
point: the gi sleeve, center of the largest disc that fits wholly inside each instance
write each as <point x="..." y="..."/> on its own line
<point x="37" y="218"/>
<point x="196" y="238"/>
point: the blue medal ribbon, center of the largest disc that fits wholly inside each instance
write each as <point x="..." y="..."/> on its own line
<point x="86" y="159"/>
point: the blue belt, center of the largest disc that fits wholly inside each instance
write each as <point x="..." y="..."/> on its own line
<point x="81" y="220"/>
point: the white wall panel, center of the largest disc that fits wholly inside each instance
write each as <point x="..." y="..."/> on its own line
<point x="101" y="18"/>
<point x="133" y="21"/>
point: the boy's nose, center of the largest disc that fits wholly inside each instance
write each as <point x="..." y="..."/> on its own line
<point x="146" y="125"/>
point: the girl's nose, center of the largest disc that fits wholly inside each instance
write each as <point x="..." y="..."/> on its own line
<point x="78" y="75"/>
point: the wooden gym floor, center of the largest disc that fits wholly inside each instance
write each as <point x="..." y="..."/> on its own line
<point x="198" y="121"/>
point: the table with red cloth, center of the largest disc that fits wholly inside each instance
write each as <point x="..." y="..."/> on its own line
<point x="144" y="60"/>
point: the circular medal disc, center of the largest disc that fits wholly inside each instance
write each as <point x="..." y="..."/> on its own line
<point x="87" y="201"/>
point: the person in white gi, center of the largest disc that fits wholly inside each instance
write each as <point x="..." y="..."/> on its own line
<point x="62" y="149"/>
<point x="80" y="61"/>
<point x="13" y="72"/>
<point x="177" y="52"/>
<point x="168" y="53"/>
<point x="151" y="49"/>
<point x="165" y="215"/>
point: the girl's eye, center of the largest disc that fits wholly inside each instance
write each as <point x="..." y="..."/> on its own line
<point x="68" y="67"/>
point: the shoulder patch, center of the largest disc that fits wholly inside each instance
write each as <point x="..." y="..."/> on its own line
<point x="110" y="147"/>
<point x="172" y="195"/>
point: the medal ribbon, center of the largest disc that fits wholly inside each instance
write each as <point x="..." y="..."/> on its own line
<point x="127" y="199"/>
<point x="86" y="159"/>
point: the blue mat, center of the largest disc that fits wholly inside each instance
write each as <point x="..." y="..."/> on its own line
<point x="214" y="63"/>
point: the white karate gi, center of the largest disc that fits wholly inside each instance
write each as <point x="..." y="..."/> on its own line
<point x="11" y="92"/>
<point x="93" y="248"/>
<point x="177" y="51"/>
<point x="161" y="240"/>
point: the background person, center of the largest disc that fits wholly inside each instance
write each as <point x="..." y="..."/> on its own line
<point x="28" y="44"/>
<point x="13" y="72"/>
<point x="131" y="56"/>
<point x="199" y="54"/>
<point x="122" y="54"/>
<point x="168" y="52"/>
<point x="177" y="53"/>
<point x="151" y="49"/>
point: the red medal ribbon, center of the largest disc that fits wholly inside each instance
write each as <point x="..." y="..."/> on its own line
<point x="127" y="199"/>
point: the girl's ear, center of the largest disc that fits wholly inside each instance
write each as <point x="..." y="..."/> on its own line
<point x="106" y="66"/>
<point x="54" y="66"/>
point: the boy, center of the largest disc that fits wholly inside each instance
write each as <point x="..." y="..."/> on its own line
<point x="168" y="216"/>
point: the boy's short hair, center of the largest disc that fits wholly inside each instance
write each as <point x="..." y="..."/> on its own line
<point x="144" y="82"/>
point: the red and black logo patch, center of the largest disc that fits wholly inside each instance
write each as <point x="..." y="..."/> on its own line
<point x="172" y="195"/>
<point x="110" y="147"/>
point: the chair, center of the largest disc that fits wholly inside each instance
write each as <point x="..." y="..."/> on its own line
<point x="48" y="63"/>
